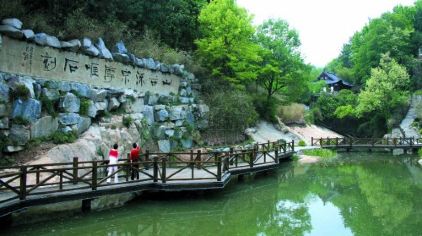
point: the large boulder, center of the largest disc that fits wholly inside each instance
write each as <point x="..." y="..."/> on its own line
<point x="113" y="104"/>
<point x="12" y="149"/>
<point x="44" y="127"/>
<point x="120" y="48"/>
<point x="124" y="58"/>
<point x="203" y="110"/>
<point x="80" y="89"/>
<point x="72" y="45"/>
<point x="28" y="34"/>
<point x="101" y="106"/>
<point x="149" y="114"/>
<point x="149" y="63"/>
<point x="70" y="103"/>
<point x="92" y="109"/>
<point x="14" y="22"/>
<point x="4" y="90"/>
<point x="11" y="31"/>
<point x="89" y="48"/>
<point x="104" y="52"/>
<point x="164" y="68"/>
<point x="29" y="109"/>
<point x="139" y="62"/>
<point x="4" y="123"/>
<point x="19" y="134"/>
<point x="161" y="115"/>
<point x="68" y="118"/>
<point x="97" y="95"/>
<point x="44" y="39"/>
<point x="164" y="145"/>
<point x="186" y="143"/>
<point x="28" y="82"/>
<point x="50" y="94"/>
<point x="83" y="124"/>
<point x="177" y="113"/>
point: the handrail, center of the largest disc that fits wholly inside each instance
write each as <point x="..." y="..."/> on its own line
<point x="24" y="180"/>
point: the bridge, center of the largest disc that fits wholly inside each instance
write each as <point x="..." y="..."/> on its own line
<point x="31" y="185"/>
<point x="368" y="143"/>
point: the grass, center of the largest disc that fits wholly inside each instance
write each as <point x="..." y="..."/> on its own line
<point x="21" y="91"/>
<point x="59" y="137"/>
<point x="84" y="106"/>
<point x="420" y="153"/>
<point x="20" y="121"/>
<point x="292" y="113"/>
<point x="127" y="121"/>
<point x="48" y="106"/>
<point x="324" y="154"/>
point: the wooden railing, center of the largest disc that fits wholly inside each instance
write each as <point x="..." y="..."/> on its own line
<point x="19" y="182"/>
<point x="374" y="142"/>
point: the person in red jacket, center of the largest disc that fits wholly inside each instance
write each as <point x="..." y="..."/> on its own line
<point x="113" y="157"/>
<point x="134" y="159"/>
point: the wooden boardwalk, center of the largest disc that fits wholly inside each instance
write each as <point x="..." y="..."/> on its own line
<point x="368" y="143"/>
<point x="31" y="185"/>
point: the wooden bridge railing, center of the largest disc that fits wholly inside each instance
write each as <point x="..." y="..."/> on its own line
<point x="19" y="182"/>
<point x="343" y="142"/>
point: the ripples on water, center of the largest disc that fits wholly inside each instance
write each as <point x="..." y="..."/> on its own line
<point x="359" y="194"/>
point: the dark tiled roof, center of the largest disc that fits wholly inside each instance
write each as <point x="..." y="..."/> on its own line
<point x="333" y="79"/>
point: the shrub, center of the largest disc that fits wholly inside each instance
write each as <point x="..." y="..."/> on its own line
<point x="48" y="106"/>
<point x="231" y="110"/>
<point x="84" y="106"/>
<point x="267" y="110"/>
<point x="301" y="143"/>
<point x="293" y="113"/>
<point x="60" y="137"/>
<point x="19" y="120"/>
<point x="20" y="91"/>
<point x="420" y="152"/>
<point x="127" y="121"/>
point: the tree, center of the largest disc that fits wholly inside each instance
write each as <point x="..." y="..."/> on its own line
<point x="385" y="89"/>
<point x="226" y="45"/>
<point x="282" y="65"/>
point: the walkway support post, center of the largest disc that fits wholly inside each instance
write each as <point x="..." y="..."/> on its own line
<point x="218" y="159"/>
<point x="75" y="170"/>
<point x="293" y="145"/>
<point x="312" y="141"/>
<point x="252" y="157"/>
<point x="155" y="169"/>
<point x="276" y="156"/>
<point x="94" y="175"/>
<point x="22" y="187"/>
<point x="192" y="164"/>
<point x="163" y="171"/>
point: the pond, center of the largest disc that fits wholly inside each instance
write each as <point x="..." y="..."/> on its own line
<point x="359" y="194"/>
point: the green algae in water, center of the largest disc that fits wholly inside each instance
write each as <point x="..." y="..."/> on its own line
<point x="358" y="194"/>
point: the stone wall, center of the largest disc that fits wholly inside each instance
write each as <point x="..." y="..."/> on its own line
<point x="49" y="86"/>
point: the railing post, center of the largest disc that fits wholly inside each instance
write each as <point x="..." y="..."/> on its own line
<point x="252" y="157"/>
<point x="94" y="175"/>
<point x="320" y="142"/>
<point x="61" y="180"/>
<point x="198" y="159"/>
<point x="312" y="141"/>
<point x="192" y="165"/>
<point x="218" y="159"/>
<point x="128" y="167"/>
<point x="163" y="171"/>
<point x="155" y="169"/>
<point x="75" y="170"/>
<point x="231" y="154"/>
<point x="276" y="156"/>
<point x="293" y="145"/>
<point x="336" y="141"/>
<point x="146" y="164"/>
<point x="22" y="187"/>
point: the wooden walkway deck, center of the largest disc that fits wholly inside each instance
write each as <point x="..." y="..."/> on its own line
<point x="31" y="185"/>
<point x="368" y="143"/>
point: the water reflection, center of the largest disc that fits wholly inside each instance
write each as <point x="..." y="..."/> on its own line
<point x="379" y="196"/>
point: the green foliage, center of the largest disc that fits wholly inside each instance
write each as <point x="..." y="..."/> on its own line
<point x="48" y="106"/>
<point x="301" y="143"/>
<point x="420" y="152"/>
<point x="84" y="106"/>
<point x="19" y="120"/>
<point x="127" y="121"/>
<point x="282" y="64"/>
<point x="60" y="137"/>
<point x="226" y="45"/>
<point x="267" y="109"/>
<point x="323" y="153"/>
<point x="231" y="110"/>
<point x="385" y="90"/>
<point x="20" y="91"/>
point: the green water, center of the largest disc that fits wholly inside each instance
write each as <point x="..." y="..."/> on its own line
<point x="360" y="195"/>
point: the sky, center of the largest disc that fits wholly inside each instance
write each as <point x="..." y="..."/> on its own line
<point x="323" y="25"/>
